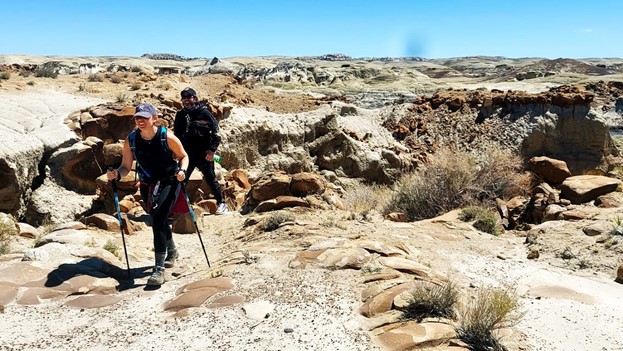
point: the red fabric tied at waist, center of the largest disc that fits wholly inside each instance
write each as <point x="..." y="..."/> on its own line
<point x="179" y="207"/>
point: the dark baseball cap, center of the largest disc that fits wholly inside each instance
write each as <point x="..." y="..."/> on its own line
<point x="188" y="92"/>
<point x="145" y="110"/>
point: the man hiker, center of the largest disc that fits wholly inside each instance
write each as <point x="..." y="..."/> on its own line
<point x="155" y="150"/>
<point x="198" y="130"/>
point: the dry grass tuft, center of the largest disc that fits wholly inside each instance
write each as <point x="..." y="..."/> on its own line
<point x="362" y="199"/>
<point x="8" y="232"/>
<point x="432" y="300"/>
<point x="490" y="310"/>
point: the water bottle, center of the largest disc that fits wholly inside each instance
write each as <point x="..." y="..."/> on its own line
<point x="217" y="158"/>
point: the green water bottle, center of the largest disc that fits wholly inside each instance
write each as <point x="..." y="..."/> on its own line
<point x="217" y="158"/>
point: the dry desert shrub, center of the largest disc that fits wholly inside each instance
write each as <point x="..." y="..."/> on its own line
<point x="121" y="97"/>
<point x="274" y="220"/>
<point x="432" y="300"/>
<point x="5" y="75"/>
<point x="94" y="77"/>
<point x="116" y="79"/>
<point x="136" y="85"/>
<point x="46" y="73"/>
<point x="454" y="179"/>
<point x="500" y="174"/>
<point x="492" y="308"/>
<point x="362" y="199"/>
<point x="8" y="232"/>
<point x="88" y="88"/>
<point x="165" y="86"/>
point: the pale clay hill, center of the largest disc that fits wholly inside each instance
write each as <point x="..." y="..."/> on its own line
<point x="332" y="277"/>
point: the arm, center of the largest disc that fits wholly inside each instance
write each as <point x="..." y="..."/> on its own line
<point x="178" y="151"/>
<point x="126" y="163"/>
<point x="215" y="139"/>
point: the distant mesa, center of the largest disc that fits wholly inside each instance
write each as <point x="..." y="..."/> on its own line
<point x="173" y="57"/>
<point x="342" y="57"/>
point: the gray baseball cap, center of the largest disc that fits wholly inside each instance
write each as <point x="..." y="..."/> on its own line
<point x="145" y="110"/>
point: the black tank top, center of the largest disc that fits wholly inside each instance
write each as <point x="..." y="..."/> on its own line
<point x="155" y="162"/>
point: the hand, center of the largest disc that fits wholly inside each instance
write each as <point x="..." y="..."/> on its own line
<point x="112" y="174"/>
<point x="210" y="155"/>
<point x="180" y="175"/>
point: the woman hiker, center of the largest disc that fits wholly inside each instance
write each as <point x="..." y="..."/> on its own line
<point x="157" y="152"/>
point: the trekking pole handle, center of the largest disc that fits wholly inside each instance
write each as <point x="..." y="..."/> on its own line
<point x="177" y="171"/>
<point x="110" y="169"/>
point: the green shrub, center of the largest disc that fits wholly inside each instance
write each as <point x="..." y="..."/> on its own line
<point x="111" y="247"/>
<point x="484" y="219"/>
<point x="432" y="300"/>
<point x="491" y="309"/>
<point x="273" y="221"/>
<point x="470" y="213"/>
<point x="136" y="69"/>
<point x="454" y="179"/>
<point x="487" y="221"/>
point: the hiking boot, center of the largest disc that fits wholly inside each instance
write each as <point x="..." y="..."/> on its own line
<point x="172" y="256"/>
<point x="157" y="277"/>
<point x="221" y="208"/>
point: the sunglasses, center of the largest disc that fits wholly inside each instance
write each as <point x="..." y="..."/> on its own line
<point x="187" y="97"/>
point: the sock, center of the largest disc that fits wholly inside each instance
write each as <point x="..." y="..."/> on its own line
<point x="160" y="256"/>
<point x="171" y="245"/>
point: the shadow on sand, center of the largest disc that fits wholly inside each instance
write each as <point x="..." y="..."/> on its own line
<point x="98" y="268"/>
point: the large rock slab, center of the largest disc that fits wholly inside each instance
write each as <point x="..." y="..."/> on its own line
<point x="585" y="188"/>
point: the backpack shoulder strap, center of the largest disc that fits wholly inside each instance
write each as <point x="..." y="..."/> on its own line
<point x="132" y="140"/>
<point x="140" y="171"/>
<point x="163" y="138"/>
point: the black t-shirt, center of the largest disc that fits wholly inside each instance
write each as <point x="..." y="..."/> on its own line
<point x="155" y="162"/>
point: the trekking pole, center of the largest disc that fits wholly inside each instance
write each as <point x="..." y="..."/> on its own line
<point x="125" y="250"/>
<point x="192" y="216"/>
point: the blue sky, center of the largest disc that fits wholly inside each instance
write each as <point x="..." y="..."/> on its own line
<point x="227" y="28"/>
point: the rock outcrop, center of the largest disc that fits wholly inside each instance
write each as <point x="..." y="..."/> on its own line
<point x="29" y="136"/>
<point x="560" y="123"/>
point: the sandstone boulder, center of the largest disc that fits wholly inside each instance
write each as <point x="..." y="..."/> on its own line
<point x="551" y="170"/>
<point x="585" y="188"/>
